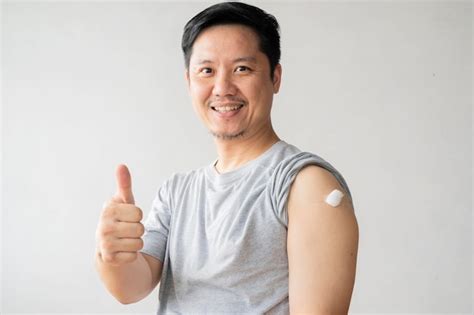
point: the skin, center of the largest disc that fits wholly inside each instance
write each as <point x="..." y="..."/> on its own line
<point x="322" y="240"/>
<point x="322" y="245"/>
<point x="215" y="77"/>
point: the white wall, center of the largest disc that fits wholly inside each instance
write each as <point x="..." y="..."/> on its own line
<point x="381" y="90"/>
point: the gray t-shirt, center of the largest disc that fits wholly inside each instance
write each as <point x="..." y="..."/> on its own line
<point x="222" y="237"/>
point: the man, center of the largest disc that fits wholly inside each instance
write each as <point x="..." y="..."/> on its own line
<point x="263" y="229"/>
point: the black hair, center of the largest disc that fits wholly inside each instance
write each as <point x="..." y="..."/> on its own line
<point x="264" y="24"/>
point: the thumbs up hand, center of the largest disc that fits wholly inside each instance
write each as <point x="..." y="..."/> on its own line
<point x="118" y="234"/>
<point x="124" y="185"/>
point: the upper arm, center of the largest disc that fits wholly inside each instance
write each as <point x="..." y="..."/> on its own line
<point x="156" y="267"/>
<point x="322" y="245"/>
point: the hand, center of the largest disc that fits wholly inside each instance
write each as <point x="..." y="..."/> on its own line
<point x="118" y="234"/>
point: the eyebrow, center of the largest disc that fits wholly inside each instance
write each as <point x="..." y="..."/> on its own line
<point x="240" y="59"/>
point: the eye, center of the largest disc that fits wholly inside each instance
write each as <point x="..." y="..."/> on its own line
<point x="205" y="70"/>
<point x="245" y="68"/>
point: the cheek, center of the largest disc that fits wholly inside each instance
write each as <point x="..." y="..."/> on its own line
<point x="262" y="96"/>
<point x="199" y="92"/>
<point x="199" y="97"/>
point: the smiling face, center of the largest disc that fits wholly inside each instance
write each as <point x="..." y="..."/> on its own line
<point x="229" y="82"/>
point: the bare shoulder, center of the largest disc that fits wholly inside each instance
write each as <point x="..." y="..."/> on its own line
<point x="313" y="184"/>
<point x="322" y="245"/>
<point x="307" y="206"/>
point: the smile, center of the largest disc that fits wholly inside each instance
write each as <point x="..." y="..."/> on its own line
<point x="225" y="109"/>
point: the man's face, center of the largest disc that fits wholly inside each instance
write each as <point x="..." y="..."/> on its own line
<point x="229" y="82"/>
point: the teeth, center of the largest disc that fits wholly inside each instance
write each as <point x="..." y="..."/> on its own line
<point x="224" y="109"/>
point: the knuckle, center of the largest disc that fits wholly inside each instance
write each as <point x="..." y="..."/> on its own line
<point x="108" y="245"/>
<point x="115" y="210"/>
<point x="108" y="211"/>
<point x="107" y="229"/>
<point x="99" y="233"/>
<point x="108" y="258"/>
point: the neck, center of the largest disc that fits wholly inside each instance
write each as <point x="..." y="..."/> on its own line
<point x="236" y="152"/>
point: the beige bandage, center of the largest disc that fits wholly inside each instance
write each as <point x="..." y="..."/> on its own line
<point x="334" y="198"/>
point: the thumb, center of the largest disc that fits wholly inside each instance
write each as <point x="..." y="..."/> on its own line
<point x="124" y="184"/>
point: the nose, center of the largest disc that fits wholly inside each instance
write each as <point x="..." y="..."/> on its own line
<point x="223" y="85"/>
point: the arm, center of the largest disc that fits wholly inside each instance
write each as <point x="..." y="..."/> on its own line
<point x="128" y="274"/>
<point x="131" y="282"/>
<point x="322" y="245"/>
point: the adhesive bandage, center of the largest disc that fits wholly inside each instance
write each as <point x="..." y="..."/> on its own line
<point x="334" y="198"/>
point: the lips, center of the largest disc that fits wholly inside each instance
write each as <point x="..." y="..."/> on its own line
<point x="226" y="110"/>
<point x="228" y="104"/>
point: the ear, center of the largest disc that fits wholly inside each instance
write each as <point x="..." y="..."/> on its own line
<point x="277" y="78"/>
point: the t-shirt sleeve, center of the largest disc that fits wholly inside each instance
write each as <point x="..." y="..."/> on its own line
<point x="284" y="175"/>
<point x="157" y="225"/>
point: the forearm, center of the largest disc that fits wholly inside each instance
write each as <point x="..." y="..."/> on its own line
<point x="128" y="283"/>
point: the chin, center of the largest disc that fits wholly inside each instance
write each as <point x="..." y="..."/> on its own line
<point x="228" y="135"/>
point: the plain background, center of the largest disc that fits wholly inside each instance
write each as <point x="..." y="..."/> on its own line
<point x="382" y="90"/>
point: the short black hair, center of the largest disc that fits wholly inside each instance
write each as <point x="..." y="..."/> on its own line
<point x="264" y="24"/>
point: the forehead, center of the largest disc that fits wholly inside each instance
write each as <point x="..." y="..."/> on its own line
<point x="221" y="41"/>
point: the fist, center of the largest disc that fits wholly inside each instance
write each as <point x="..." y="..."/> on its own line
<point x="118" y="234"/>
